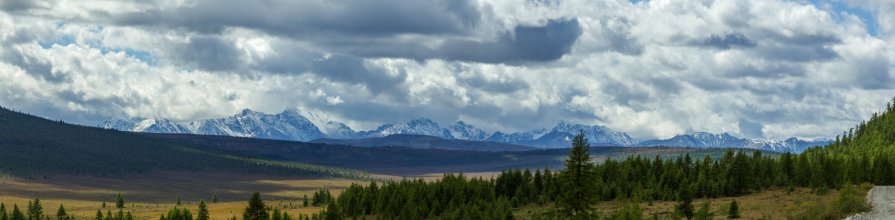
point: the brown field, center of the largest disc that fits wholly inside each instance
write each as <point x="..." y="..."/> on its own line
<point x="148" y="196"/>
<point x="772" y="204"/>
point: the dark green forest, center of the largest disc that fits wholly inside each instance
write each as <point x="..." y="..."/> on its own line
<point x="863" y="154"/>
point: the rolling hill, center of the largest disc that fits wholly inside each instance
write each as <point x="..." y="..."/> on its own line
<point x="32" y="146"/>
<point x="424" y="141"/>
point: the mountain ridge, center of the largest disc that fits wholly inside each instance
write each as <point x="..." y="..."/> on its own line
<point x="299" y="124"/>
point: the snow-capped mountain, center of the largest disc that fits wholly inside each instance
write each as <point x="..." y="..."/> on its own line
<point x="708" y="140"/>
<point x="463" y="131"/>
<point x="421" y="126"/>
<point x="303" y="125"/>
<point x="561" y="136"/>
<point x="324" y="122"/>
<point x="151" y="125"/>
<point x="522" y="138"/>
<point x="284" y="126"/>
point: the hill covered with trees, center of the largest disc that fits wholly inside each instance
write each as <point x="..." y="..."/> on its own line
<point x="862" y="155"/>
<point x="34" y="146"/>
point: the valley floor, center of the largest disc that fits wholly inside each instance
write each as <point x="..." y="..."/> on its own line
<point x="147" y="197"/>
<point x="771" y="204"/>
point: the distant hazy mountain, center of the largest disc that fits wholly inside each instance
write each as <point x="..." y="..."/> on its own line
<point x="560" y="136"/>
<point x="425" y="141"/>
<point x="420" y="126"/>
<point x="707" y="140"/>
<point x="289" y="125"/>
<point x="303" y="125"/>
<point x="463" y="131"/>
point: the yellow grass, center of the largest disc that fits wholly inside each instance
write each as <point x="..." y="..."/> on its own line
<point x="147" y="197"/>
<point x="772" y="204"/>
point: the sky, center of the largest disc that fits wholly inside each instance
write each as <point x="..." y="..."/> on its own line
<point x="653" y="69"/>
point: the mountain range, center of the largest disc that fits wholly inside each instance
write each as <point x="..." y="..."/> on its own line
<point x="302" y="125"/>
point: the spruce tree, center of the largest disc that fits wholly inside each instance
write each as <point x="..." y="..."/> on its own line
<point x="35" y="210"/>
<point x="332" y="212"/>
<point x="704" y="212"/>
<point x="203" y="211"/>
<point x="3" y="214"/>
<point x="99" y="215"/>
<point x="305" y="203"/>
<point x="120" y="215"/>
<point x="685" y="207"/>
<point x="214" y="198"/>
<point x="119" y="202"/>
<point x="256" y="209"/>
<point x="16" y="213"/>
<point x="128" y="216"/>
<point x="60" y="214"/>
<point x="734" y="211"/>
<point x="579" y="184"/>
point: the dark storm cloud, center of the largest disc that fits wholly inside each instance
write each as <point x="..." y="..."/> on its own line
<point x="208" y="52"/>
<point x="526" y="43"/>
<point x="726" y="41"/>
<point x="17" y="5"/>
<point x="874" y="73"/>
<point x="349" y="69"/>
<point x="298" y="18"/>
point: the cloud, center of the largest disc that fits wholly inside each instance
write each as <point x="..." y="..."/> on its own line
<point x="654" y="69"/>
<point x="526" y="43"/>
<point x="726" y="41"/>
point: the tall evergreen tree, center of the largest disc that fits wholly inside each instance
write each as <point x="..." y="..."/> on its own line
<point x="579" y="184"/>
<point x="35" y="210"/>
<point x="305" y="203"/>
<point x="704" y="212"/>
<point x="3" y="214"/>
<point x="17" y="214"/>
<point x="99" y="215"/>
<point x="256" y="209"/>
<point x="60" y="214"/>
<point x="203" y="211"/>
<point x="119" y="202"/>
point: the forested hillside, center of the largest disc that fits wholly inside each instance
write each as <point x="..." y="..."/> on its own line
<point x="33" y="147"/>
<point x="864" y="154"/>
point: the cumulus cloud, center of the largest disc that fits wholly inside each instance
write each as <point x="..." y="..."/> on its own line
<point x="771" y="69"/>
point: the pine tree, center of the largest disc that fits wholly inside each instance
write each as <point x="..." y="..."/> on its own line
<point x="256" y="209"/>
<point x="305" y="203"/>
<point x="35" y="210"/>
<point x="704" y="212"/>
<point x="3" y="214"/>
<point x="119" y="202"/>
<point x="203" y="211"/>
<point x="734" y="211"/>
<point x="685" y="207"/>
<point x="332" y="212"/>
<point x="120" y="215"/>
<point x="60" y="214"/>
<point x="108" y="215"/>
<point x="128" y="216"/>
<point x="214" y="198"/>
<point x="99" y="215"/>
<point x="578" y="182"/>
<point x="16" y="213"/>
